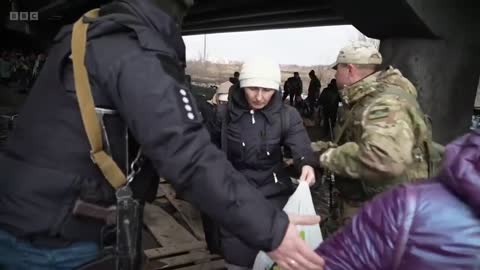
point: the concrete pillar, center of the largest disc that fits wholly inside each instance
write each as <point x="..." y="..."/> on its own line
<point x="446" y="74"/>
<point x="435" y="43"/>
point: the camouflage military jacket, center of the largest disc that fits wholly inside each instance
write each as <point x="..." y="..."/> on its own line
<point x="384" y="138"/>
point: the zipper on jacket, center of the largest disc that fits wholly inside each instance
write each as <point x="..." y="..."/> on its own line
<point x="243" y="150"/>
<point x="275" y="178"/>
<point x="252" y="112"/>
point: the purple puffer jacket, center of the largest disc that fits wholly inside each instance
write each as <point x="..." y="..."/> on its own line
<point x="429" y="225"/>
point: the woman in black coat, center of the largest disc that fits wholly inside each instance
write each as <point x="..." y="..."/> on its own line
<point x="256" y="126"/>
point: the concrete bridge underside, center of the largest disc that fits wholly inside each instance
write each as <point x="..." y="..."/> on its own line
<point x="433" y="42"/>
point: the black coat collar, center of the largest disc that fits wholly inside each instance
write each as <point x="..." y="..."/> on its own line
<point x="239" y="106"/>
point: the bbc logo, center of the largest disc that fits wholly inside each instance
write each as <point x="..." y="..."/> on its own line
<point x="23" y="16"/>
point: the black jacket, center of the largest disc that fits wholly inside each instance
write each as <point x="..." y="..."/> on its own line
<point x="254" y="141"/>
<point x="294" y="85"/>
<point x="135" y="59"/>
<point x="329" y="100"/>
<point x="314" y="88"/>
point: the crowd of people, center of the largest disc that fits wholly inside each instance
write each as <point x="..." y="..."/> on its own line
<point x="319" y="106"/>
<point x="19" y="68"/>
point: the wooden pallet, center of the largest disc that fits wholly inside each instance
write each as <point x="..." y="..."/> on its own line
<point x="177" y="227"/>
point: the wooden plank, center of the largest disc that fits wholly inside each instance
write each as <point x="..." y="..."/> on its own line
<point x="193" y="257"/>
<point x="215" y="265"/>
<point x="190" y="214"/>
<point x="164" y="227"/>
<point x="175" y="249"/>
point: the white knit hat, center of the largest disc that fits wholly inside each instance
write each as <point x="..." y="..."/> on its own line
<point x="260" y="72"/>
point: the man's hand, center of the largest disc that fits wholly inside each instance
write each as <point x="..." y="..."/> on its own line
<point x="308" y="175"/>
<point x="322" y="146"/>
<point x="293" y="252"/>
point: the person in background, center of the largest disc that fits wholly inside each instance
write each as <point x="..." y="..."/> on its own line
<point x="313" y="90"/>
<point x="328" y="101"/>
<point x="210" y="110"/>
<point x="254" y="129"/>
<point x="295" y="86"/>
<point x="234" y="79"/>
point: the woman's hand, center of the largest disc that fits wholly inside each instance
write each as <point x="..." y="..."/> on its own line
<point x="308" y="175"/>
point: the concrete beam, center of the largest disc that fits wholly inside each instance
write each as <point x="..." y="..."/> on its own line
<point x="446" y="75"/>
<point x="445" y="70"/>
<point x="449" y="19"/>
<point x="383" y="18"/>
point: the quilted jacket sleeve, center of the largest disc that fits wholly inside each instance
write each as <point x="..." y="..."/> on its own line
<point x="376" y="237"/>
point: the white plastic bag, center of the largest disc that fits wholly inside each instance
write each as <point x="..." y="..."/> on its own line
<point x="299" y="203"/>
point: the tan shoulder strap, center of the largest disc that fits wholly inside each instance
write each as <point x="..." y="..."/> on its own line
<point x="348" y="121"/>
<point x="109" y="168"/>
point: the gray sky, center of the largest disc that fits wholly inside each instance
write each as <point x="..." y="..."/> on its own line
<point x="301" y="46"/>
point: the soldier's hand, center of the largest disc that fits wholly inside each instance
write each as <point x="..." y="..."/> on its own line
<point x="293" y="252"/>
<point x="308" y="175"/>
<point x="322" y="146"/>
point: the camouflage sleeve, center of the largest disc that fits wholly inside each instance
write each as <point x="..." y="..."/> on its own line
<point x="385" y="147"/>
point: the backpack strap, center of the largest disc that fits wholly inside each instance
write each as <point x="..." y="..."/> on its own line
<point x="113" y="174"/>
<point x="343" y="128"/>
